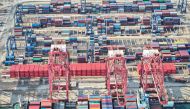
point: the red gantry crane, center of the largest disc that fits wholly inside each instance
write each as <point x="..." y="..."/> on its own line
<point x="58" y="69"/>
<point x="117" y="75"/>
<point x="59" y="73"/>
<point x="152" y="67"/>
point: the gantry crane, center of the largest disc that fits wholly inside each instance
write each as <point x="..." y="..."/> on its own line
<point x="152" y="69"/>
<point x="10" y="47"/>
<point x="182" y="6"/>
<point x="117" y="76"/>
<point x="155" y="23"/>
<point x="58" y="69"/>
<point x="18" y="15"/>
<point x="30" y="40"/>
<point x="90" y="32"/>
<point x="83" y="6"/>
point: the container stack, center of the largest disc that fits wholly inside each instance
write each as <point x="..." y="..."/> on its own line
<point x="81" y="22"/>
<point x="185" y="57"/>
<point x="167" y="19"/>
<point x="31" y="44"/>
<point x="108" y="1"/>
<point x="108" y="6"/>
<point x="94" y="102"/>
<point x="146" y="20"/>
<point x="82" y="53"/>
<point x="75" y="8"/>
<point x="131" y="101"/>
<point x="44" y="9"/>
<point x="43" y="22"/>
<point x="101" y="28"/>
<point x="77" y="51"/>
<point x="47" y="41"/>
<point x="70" y="105"/>
<point x="82" y="102"/>
<point x="172" y="51"/>
<point x="67" y="22"/>
<point x="46" y="104"/>
<point x="117" y="29"/>
<point x="67" y="6"/>
<point x="57" y="22"/>
<point x="18" y="31"/>
<point x="97" y="51"/>
<point x="123" y="20"/>
<point x="116" y="106"/>
<point x="57" y="2"/>
<point x="104" y="24"/>
<point x="166" y="55"/>
<point x="107" y="102"/>
<point x="131" y="30"/>
<point x="168" y="68"/>
<point x="29" y="71"/>
<point x="139" y="53"/>
<point x="37" y="58"/>
<point x="59" y="105"/>
<point x="29" y="9"/>
<point x="36" y="25"/>
<point x="34" y="105"/>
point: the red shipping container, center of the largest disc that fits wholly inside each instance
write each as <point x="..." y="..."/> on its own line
<point x="106" y="100"/>
<point x="168" y="68"/>
<point x="46" y="71"/>
<point x="36" y="71"/>
<point x="94" y="105"/>
<point x="22" y="71"/>
<point x="103" y="69"/>
<point x="63" y="73"/>
<point x="34" y="103"/>
<point x="12" y="71"/>
<point x="17" y="70"/>
<point x="26" y="71"/>
<point x="88" y="70"/>
<point x="184" y="53"/>
<point x="93" y="69"/>
<point x="98" y="69"/>
<point x="78" y="70"/>
<point x="31" y="72"/>
<point x="73" y="69"/>
<point x="46" y="103"/>
<point x="34" y="107"/>
<point x="41" y="70"/>
<point x="83" y="69"/>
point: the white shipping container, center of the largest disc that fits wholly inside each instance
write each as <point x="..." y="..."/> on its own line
<point x="141" y="7"/>
<point x="62" y="47"/>
<point x="17" y="33"/>
<point x="148" y="53"/>
<point x="112" y="53"/>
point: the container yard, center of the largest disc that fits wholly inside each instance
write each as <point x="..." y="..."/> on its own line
<point x="102" y="54"/>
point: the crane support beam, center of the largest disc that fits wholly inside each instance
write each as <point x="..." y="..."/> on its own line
<point x="117" y="71"/>
<point x="58" y="66"/>
<point x="152" y="66"/>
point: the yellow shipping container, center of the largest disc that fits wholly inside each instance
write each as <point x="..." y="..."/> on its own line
<point x="94" y="108"/>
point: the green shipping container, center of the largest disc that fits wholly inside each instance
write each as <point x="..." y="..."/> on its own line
<point x="82" y="107"/>
<point x="37" y="59"/>
<point x="94" y="102"/>
<point x="165" y="51"/>
<point x="161" y="1"/>
<point x="81" y="51"/>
